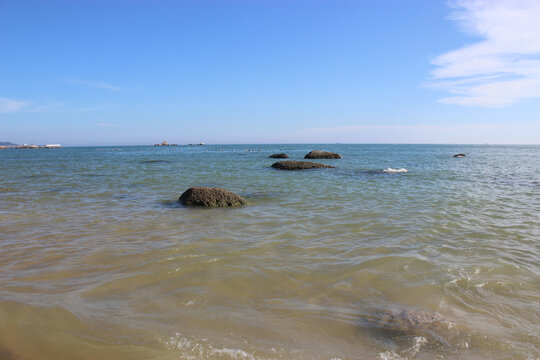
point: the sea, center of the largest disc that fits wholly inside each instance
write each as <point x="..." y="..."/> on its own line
<point x="399" y="252"/>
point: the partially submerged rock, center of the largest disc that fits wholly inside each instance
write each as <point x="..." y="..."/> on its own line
<point x="279" y="156"/>
<point x="210" y="197"/>
<point x="319" y="154"/>
<point x="412" y="322"/>
<point x="459" y="155"/>
<point x="298" y="165"/>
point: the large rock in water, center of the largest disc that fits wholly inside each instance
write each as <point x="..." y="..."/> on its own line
<point x="279" y="156"/>
<point x="318" y="154"/>
<point x="298" y="165"/>
<point x="459" y="155"/>
<point x="210" y="197"/>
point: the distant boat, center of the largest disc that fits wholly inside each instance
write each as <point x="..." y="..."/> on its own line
<point x="50" y="146"/>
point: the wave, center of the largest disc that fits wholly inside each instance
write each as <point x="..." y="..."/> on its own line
<point x="392" y="170"/>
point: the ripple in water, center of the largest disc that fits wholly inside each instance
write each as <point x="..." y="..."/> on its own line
<point x="110" y="266"/>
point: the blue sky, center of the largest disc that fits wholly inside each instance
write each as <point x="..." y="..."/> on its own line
<point x="269" y="71"/>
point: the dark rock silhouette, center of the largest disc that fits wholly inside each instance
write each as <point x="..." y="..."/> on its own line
<point x="298" y="165"/>
<point x="279" y="156"/>
<point x="459" y="155"/>
<point x="210" y="197"/>
<point x="318" y="154"/>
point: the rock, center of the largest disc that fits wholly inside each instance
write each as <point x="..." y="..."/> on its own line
<point x="403" y="326"/>
<point x="279" y="156"/>
<point x="210" y="197"/>
<point x="418" y="319"/>
<point x="318" y="154"/>
<point x="298" y="165"/>
<point x="411" y="322"/>
<point x="459" y="155"/>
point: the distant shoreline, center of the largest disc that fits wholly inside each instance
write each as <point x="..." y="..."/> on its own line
<point x="246" y="144"/>
<point x="49" y="146"/>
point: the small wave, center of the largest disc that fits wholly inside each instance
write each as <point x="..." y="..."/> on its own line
<point x="392" y="170"/>
<point x="411" y="352"/>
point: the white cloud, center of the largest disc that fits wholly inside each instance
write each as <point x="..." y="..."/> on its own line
<point x="501" y="69"/>
<point x="11" y="105"/>
<point x="96" y="84"/>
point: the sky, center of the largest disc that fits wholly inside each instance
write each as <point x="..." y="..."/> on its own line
<point x="269" y="71"/>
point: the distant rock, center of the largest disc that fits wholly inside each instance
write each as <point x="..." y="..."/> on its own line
<point x="319" y="154"/>
<point x="298" y="165"/>
<point x="279" y="156"/>
<point x="210" y="197"/>
<point x="7" y="143"/>
<point x="459" y="155"/>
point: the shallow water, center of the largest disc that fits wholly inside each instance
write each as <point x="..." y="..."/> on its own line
<point x="99" y="261"/>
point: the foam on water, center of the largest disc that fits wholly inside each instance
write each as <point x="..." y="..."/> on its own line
<point x="406" y="354"/>
<point x="204" y="349"/>
<point x="392" y="170"/>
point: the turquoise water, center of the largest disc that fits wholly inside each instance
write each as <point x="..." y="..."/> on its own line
<point x="98" y="260"/>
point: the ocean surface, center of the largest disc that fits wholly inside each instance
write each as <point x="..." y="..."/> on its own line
<point x="98" y="260"/>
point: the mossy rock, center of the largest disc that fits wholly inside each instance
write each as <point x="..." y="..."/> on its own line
<point x="299" y="165"/>
<point x="279" y="156"/>
<point x="319" y="154"/>
<point x="210" y="197"/>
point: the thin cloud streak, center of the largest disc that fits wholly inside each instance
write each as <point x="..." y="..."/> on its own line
<point x="501" y="69"/>
<point x="23" y="106"/>
<point x="11" y="105"/>
<point x="14" y="106"/>
<point x="95" y="84"/>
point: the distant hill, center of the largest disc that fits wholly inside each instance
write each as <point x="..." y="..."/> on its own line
<point x="6" y="143"/>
